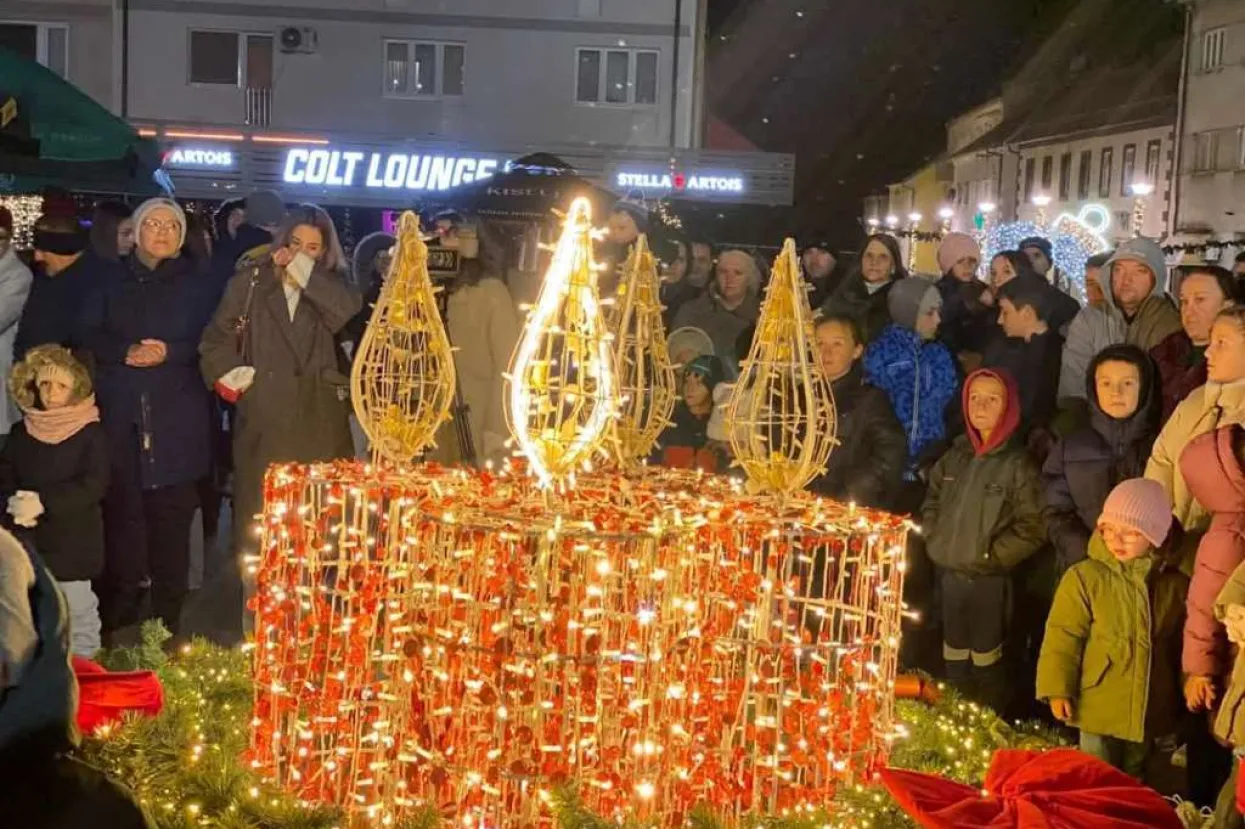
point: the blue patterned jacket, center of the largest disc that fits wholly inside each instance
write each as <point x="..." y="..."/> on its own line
<point x="920" y="378"/>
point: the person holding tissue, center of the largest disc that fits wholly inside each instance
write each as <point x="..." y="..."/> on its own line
<point x="142" y="328"/>
<point x="271" y="348"/>
<point x="54" y="472"/>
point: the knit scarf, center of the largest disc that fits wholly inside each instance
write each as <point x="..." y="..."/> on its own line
<point x="59" y="425"/>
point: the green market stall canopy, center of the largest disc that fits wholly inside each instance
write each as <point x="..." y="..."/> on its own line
<point x="53" y="134"/>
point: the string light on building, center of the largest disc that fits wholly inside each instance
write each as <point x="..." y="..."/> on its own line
<point x="892" y="221"/>
<point x="26" y="210"/>
<point x="1141" y="197"/>
<point x="1041" y="201"/>
<point x="946" y="213"/>
<point x="914" y="227"/>
<point x="873" y="222"/>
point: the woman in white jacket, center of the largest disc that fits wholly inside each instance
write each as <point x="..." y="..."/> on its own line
<point x="15" y="280"/>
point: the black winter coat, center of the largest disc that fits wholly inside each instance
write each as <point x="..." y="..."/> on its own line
<point x="1035" y="366"/>
<point x="71" y="478"/>
<point x="967" y="323"/>
<point x="868" y="463"/>
<point x="852" y="299"/>
<point x="161" y="413"/>
<point x="1084" y="467"/>
<point x="52" y="313"/>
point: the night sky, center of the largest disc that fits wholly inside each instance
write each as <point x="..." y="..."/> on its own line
<point x="861" y="90"/>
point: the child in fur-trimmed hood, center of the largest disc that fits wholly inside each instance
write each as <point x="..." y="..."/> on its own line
<point x="54" y="472"/>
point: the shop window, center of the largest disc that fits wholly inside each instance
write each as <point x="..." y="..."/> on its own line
<point x="1085" y="174"/>
<point x="44" y="43"/>
<point x="1106" y="171"/>
<point x="619" y="77"/>
<point x="1212" y="49"/>
<point x="420" y="69"/>
<point x="215" y="58"/>
<point x="1048" y="168"/>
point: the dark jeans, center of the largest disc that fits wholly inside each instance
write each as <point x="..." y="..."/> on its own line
<point x="147" y="536"/>
<point x="1126" y="756"/>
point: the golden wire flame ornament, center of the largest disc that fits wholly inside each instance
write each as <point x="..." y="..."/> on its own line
<point x="646" y="382"/>
<point x="403" y="380"/>
<point x="781" y="416"/>
<point x="561" y="392"/>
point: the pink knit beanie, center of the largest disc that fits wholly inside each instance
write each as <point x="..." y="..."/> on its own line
<point x="1142" y="505"/>
<point x="954" y="247"/>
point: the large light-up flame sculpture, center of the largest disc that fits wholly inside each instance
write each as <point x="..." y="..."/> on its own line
<point x="561" y="390"/>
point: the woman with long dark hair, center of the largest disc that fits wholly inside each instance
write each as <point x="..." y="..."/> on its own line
<point x="862" y="295"/>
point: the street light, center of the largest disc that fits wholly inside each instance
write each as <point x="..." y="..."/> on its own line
<point x="987" y="207"/>
<point x="892" y="220"/>
<point x="1142" y="188"/>
<point x="873" y="222"/>
<point x="1041" y="200"/>
<point x="945" y="212"/>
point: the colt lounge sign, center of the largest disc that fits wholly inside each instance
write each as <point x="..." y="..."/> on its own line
<point x="389" y="171"/>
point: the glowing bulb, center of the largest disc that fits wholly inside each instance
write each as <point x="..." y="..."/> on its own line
<point x="1041" y="200"/>
<point x="1142" y="188"/>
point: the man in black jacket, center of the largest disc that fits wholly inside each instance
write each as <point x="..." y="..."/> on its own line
<point x="1030" y="350"/>
<point x="68" y="273"/>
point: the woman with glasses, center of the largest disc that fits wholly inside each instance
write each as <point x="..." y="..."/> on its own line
<point x="142" y="329"/>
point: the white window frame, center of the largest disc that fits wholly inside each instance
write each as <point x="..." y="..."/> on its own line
<point x="1212" y="48"/>
<point x="439" y="93"/>
<point x="1240" y="148"/>
<point x="602" y="72"/>
<point x="41" y="39"/>
<point x="239" y="81"/>
<point x="1205" y="151"/>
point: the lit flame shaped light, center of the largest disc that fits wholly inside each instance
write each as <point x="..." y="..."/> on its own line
<point x="561" y="388"/>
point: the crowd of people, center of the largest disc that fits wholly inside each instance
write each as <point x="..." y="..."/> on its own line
<point x="1078" y="472"/>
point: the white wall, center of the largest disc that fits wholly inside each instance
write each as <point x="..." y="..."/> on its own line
<point x="1212" y="196"/>
<point x="1119" y="203"/>
<point x="520" y="68"/>
<point x="90" y="38"/>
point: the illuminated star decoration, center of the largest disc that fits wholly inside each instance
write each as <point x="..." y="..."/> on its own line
<point x="1073" y="239"/>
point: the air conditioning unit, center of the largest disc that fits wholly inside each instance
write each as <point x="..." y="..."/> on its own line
<point x="297" y="40"/>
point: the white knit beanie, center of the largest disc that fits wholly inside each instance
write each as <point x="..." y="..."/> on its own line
<point x="159" y="201"/>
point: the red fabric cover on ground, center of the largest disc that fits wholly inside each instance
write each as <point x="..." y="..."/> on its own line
<point x="103" y="697"/>
<point x="1059" y="789"/>
<point x="1240" y="787"/>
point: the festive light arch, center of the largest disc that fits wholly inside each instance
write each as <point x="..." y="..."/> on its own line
<point x="1073" y="240"/>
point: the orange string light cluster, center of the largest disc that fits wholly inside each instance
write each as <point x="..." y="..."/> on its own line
<point x="472" y="639"/>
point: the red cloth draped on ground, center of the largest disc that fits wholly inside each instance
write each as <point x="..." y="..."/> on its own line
<point x="1059" y="789"/>
<point x="103" y="697"/>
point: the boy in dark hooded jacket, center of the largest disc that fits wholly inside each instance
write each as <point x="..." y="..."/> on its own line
<point x="982" y="517"/>
<point x="1082" y="468"/>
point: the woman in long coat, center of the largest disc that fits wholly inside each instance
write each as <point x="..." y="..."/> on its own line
<point x="272" y="347"/>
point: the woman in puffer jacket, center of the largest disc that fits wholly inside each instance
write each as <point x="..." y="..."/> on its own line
<point x="1082" y="469"/>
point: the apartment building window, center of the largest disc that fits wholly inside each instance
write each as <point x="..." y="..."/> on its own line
<point x="1128" y="169"/>
<point x="621" y="77"/>
<point x="214" y="58"/>
<point x="1048" y="170"/>
<point x="1106" y="172"/>
<point x="1154" y="155"/>
<point x="1029" y="167"/>
<point x="422" y="69"/>
<point x="1240" y="148"/>
<point x="1205" y="151"/>
<point x="1065" y="176"/>
<point x="1212" y="48"/>
<point x="1084" y="174"/>
<point x="44" y="43"/>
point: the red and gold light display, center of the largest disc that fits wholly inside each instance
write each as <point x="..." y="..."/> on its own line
<point x="472" y="640"/>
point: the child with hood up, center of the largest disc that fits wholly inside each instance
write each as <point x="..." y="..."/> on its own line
<point x="1110" y="661"/>
<point x="684" y="442"/>
<point x="54" y="470"/>
<point x="982" y="517"/>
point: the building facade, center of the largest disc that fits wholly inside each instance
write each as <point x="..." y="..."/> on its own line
<point x="73" y="38"/>
<point x="1212" y="167"/>
<point x="615" y="72"/>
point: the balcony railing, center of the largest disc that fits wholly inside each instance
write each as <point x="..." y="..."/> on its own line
<point x="258" y="106"/>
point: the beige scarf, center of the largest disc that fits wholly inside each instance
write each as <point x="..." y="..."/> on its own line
<point x="59" y="425"/>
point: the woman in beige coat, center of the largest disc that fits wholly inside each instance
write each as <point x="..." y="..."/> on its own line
<point x="1221" y="402"/>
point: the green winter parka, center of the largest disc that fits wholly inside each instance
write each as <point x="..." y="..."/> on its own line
<point x="1112" y="644"/>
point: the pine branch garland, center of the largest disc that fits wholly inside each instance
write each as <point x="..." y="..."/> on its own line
<point x="185" y="765"/>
